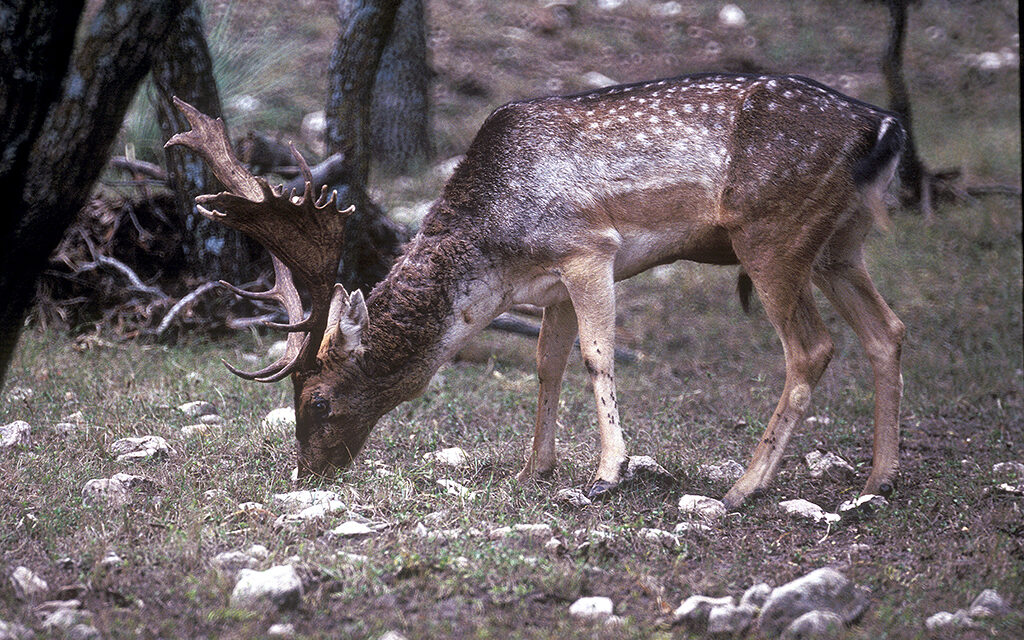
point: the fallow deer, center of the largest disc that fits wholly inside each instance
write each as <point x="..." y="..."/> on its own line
<point x="559" y="197"/>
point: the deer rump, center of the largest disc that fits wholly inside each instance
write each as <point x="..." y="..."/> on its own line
<point x="559" y="197"/>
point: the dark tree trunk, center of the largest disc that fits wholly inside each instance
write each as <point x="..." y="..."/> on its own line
<point x="399" y="112"/>
<point x="183" y="67"/>
<point x="365" y="26"/>
<point x="913" y="175"/>
<point x="372" y="240"/>
<point x="70" y="147"/>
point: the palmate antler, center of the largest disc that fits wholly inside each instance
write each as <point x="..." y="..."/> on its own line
<point x="304" y="237"/>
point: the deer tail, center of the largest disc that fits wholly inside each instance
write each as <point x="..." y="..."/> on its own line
<point x="875" y="171"/>
<point x="744" y="287"/>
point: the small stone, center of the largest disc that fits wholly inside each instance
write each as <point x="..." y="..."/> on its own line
<point x="197" y="408"/>
<point x="194" y="430"/>
<point x="66" y="429"/>
<point x="593" y="608"/>
<point x="725" y="471"/>
<point x="730" y="620"/>
<point x="15" y="631"/>
<point x="801" y="508"/>
<point x="281" y="630"/>
<point x="282" y="418"/>
<point x="694" y="611"/>
<point x="988" y="603"/>
<point x="692" y="528"/>
<point x="213" y="495"/>
<point x="949" y="622"/>
<point x="450" y="457"/>
<point x="646" y="467"/>
<point x="20" y="394"/>
<point x="65" y="618"/>
<point x="312" y="513"/>
<point x="212" y="419"/>
<point x="231" y="562"/>
<point x="732" y="16"/>
<point x="104" y="491"/>
<point x="756" y="595"/>
<point x="27" y="584"/>
<point x="534" y="531"/>
<point x="15" y="434"/>
<point x="862" y="506"/>
<point x="554" y="545"/>
<point x="392" y="635"/>
<point x="140" y="448"/>
<point x="451" y="487"/>
<point x="74" y="418"/>
<point x="259" y="552"/>
<point x="815" y="625"/>
<point x="828" y="465"/>
<point x="279" y="587"/>
<point x="83" y="632"/>
<point x="659" y="537"/>
<point x="572" y="497"/>
<point x="704" y="507"/>
<point x="111" y="559"/>
<point x="1011" y="470"/>
<point x="820" y="590"/>
<point x="351" y="529"/>
<point x="294" y="501"/>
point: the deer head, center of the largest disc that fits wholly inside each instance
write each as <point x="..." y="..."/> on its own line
<point x="304" y="236"/>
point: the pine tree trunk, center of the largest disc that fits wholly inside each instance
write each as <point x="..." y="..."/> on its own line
<point x="72" y="143"/>
<point x="399" y="113"/>
<point x="183" y="67"/>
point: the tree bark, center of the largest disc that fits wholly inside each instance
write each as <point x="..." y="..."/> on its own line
<point x="72" y="144"/>
<point x="913" y="175"/>
<point x="399" y="118"/>
<point x="365" y="26"/>
<point x="372" y="240"/>
<point x="183" y="67"/>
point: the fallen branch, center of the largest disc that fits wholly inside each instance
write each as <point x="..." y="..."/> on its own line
<point x="136" y="282"/>
<point x="181" y="304"/>
<point x="142" y="167"/>
<point x="511" y="324"/>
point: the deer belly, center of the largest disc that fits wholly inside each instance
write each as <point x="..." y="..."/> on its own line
<point x="642" y="249"/>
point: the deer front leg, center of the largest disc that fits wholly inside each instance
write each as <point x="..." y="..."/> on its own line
<point x="557" y="331"/>
<point x="591" y="285"/>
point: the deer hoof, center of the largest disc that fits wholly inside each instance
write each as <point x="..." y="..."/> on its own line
<point x="602" y="489"/>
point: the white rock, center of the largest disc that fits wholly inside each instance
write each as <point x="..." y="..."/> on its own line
<point x="862" y="506"/>
<point x="259" y="552"/>
<point x="281" y="418"/>
<point x="730" y="620"/>
<point x="231" y="562"/>
<point x="592" y="608"/>
<point x="820" y="590"/>
<point x="313" y="126"/>
<point x="949" y="622"/>
<point x="610" y="5"/>
<point x="279" y="587"/>
<point x="659" y="536"/>
<point x="815" y="625"/>
<point x="693" y="612"/>
<point x="1011" y="470"/>
<point x="195" y="430"/>
<point x="756" y="595"/>
<point x="281" y="630"/>
<point x="666" y="9"/>
<point x="75" y="418"/>
<point x="351" y="529"/>
<point x="450" y="457"/>
<point x="111" y="559"/>
<point x="142" y="447"/>
<point x="15" y="434"/>
<point x="197" y="408"/>
<point x="692" y="528"/>
<point x="596" y="80"/>
<point x="15" y="631"/>
<point x="110" y="492"/>
<point x="1011" y="489"/>
<point x="392" y="635"/>
<point x="66" y="429"/>
<point x="572" y="497"/>
<point x="988" y="603"/>
<point x="66" y="618"/>
<point x="294" y="501"/>
<point x="534" y="531"/>
<point x="646" y="466"/>
<point x="554" y="545"/>
<point x="83" y="632"/>
<point x="20" y="394"/>
<point x="828" y="464"/>
<point x="727" y="471"/>
<point x="801" y="508"/>
<point x="704" y="507"/>
<point x="27" y="584"/>
<point x="732" y="16"/>
<point x="452" y="487"/>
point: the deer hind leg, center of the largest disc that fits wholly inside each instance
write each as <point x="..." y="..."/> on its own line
<point x="808" y="348"/>
<point x="557" y="331"/>
<point x="849" y="288"/>
<point x="591" y="286"/>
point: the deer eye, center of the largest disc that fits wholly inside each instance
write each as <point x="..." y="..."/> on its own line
<point x="319" y="407"/>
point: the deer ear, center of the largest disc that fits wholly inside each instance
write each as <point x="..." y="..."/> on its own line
<point x="346" y="320"/>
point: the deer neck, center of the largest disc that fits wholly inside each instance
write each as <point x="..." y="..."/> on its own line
<point x="438" y="295"/>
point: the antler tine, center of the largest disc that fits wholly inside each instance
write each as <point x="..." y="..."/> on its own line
<point x="281" y="367"/>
